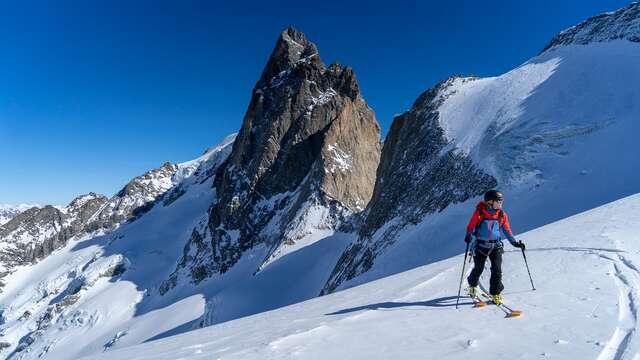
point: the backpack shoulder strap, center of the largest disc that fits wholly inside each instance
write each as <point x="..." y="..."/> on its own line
<point x="501" y="217"/>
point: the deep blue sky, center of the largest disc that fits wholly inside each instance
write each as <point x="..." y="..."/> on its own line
<point x="93" y="93"/>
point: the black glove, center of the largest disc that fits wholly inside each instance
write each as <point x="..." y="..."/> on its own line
<point x="520" y="245"/>
<point x="468" y="238"/>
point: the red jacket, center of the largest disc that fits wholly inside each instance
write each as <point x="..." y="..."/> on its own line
<point x="489" y="224"/>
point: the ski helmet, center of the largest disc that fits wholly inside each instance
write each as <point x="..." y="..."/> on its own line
<point x="492" y="195"/>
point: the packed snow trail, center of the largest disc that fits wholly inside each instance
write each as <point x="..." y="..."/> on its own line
<point x="585" y="307"/>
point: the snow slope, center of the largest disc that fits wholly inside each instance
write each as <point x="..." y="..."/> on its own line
<point x="544" y="111"/>
<point x="585" y="269"/>
<point x="559" y="133"/>
<point x="82" y="298"/>
<point x="100" y="293"/>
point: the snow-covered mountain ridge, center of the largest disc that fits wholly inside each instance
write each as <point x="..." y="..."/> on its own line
<point x="45" y="279"/>
<point x="8" y="212"/>
<point x="623" y="24"/>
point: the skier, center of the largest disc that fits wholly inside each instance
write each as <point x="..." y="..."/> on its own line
<point x="486" y="227"/>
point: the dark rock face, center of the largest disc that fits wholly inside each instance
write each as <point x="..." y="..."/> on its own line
<point x="30" y="235"/>
<point x="420" y="173"/>
<point x="37" y="232"/>
<point x="622" y="24"/>
<point x="81" y="210"/>
<point x="308" y="139"/>
<point x="8" y="212"/>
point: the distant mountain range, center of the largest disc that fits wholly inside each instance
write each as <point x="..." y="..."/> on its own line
<point x="8" y="212"/>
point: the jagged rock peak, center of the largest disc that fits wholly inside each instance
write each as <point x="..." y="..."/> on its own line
<point x="621" y="24"/>
<point x="305" y="157"/>
<point x="83" y="199"/>
<point x="291" y="48"/>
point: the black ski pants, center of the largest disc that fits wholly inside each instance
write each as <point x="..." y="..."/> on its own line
<point x="479" y="258"/>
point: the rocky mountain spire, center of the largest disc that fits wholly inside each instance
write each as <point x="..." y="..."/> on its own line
<point x="291" y="47"/>
<point x="309" y="144"/>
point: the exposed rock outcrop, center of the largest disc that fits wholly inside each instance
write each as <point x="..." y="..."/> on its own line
<point x="308" y="142"/>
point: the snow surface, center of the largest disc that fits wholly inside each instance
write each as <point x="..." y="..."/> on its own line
<point x="532" y="115"/>
<point x="342" y="161"/>
<point x="588" y="286"/>
<point x="621" y="24"/>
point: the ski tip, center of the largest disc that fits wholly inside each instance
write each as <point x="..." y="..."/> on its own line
<point x="480" y="304"/>
<point x="515" y="313"/>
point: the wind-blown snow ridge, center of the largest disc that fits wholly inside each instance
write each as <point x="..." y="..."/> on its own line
<point x="512" y="127"/>
<point x="621" y="24"/>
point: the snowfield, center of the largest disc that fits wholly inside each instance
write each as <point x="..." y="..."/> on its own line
<point x="585" y="268"/>
<point x="517" y="126"/>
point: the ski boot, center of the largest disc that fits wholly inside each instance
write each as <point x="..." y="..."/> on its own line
<point x="497" y="299"/>
<point x="473" y="291"/>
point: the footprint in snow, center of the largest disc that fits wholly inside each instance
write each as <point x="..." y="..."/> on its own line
<point x="471" y="343"/>
<point x="561" y="342"/>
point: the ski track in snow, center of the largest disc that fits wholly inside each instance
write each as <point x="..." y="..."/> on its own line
<point x="627" y="278"/>
<point x="624" y="333"/>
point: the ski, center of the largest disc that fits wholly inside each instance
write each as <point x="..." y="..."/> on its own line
<point x="477" y="302"/>
<point x="509" y="312"/>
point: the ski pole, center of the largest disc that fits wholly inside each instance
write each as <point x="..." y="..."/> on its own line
<point x="464" y="263"/>
<point x="525" y="262"/>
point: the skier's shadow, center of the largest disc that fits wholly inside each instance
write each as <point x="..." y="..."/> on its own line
<point x="447" y="301"/>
